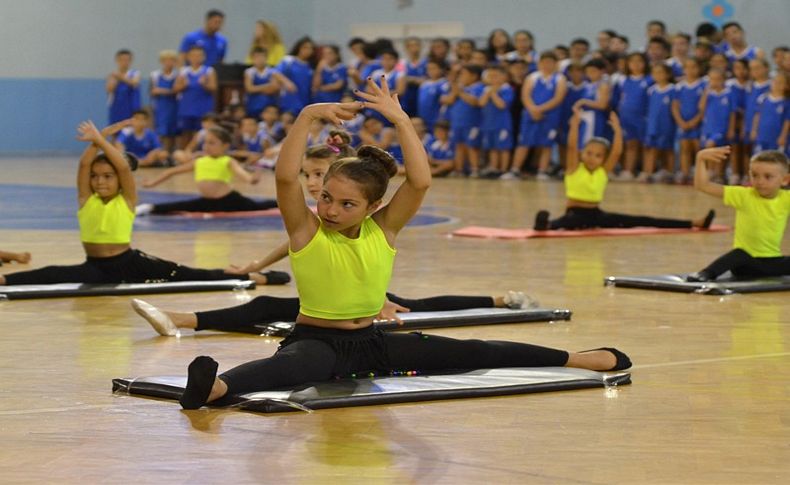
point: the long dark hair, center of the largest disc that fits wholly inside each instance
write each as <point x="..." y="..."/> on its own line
<point x="491" y="52"/>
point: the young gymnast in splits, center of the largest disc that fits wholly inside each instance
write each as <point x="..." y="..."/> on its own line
<point x="106" y="194"/>
<point x="342" y="260"/>
<point x="586" y="177"/>
<point x="268" y="309"/>
<point x="213" y="174"/>
<point x="761" y="213"/>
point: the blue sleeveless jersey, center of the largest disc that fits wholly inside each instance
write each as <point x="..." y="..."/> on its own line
<point x="330" y="75"/>
<point x="194" y="100"/>
<point x="301" y="74"/>
<point x="257" y="102"/>
<point x="125" y="99"/>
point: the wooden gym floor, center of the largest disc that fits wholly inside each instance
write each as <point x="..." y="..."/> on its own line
<point x="709" y="402"/>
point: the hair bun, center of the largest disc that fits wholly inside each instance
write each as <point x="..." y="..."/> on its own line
<point x="373" y="154"/>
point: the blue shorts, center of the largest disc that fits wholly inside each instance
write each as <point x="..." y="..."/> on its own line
<point x="497" y="139"/>
<point x="692" y="134"/>
<point x="660" y="141"/>
<point x="634" y="128"/>
<point x="541" y="133"/>
<point x="718" y="139"/>
<point x="189" y="123"/>
<point x="166" y="121"/>
<point x="466" y="135"/>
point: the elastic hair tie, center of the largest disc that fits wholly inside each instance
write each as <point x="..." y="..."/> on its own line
<point x="333" y="148"/>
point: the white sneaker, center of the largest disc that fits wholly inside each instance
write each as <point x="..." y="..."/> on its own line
<point x="517" y="300"/>
<point x="143" y="209"/>
<point x="625" y="176"/>
<point x="509" y="175"/>
<point x="680" y="179"/>
<point x="643" y="177"/>
<point x="542" y="177"/>
<point x="161" y="322"/>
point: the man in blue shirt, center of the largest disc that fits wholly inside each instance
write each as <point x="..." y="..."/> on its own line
<point x="214" y="44"/>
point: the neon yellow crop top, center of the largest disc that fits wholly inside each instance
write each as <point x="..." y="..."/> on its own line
<point x="109" y="223"/>
<point x="759" y="222"/>
<point x="340" y="278"/>
<point x="586" y="186"/>
<point x="213" y="168"/>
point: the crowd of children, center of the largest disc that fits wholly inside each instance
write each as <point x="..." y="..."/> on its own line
<point x="499" y="110"/>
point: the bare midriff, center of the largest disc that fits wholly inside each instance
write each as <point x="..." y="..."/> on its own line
<point x="355" y="324"/>
<point x="582" y="204"/>
<point x="104" y="250"/>
<point x="213" y="189"/>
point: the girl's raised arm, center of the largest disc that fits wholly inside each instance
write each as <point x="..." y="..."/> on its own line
<point x="178" y="169"/>
<point x="617" y="143"/>
<point x="300" y="222"/>
<point x="408" y="198"/>
<point x="572" y="155"/>
<point x="88" y="132"/>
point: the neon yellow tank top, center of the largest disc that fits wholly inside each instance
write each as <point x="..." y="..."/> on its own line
<point x="586" y="186"/>
<point x="340" y="278"/>
<point x="213" y="168"/>
<point x="109" y="223"/>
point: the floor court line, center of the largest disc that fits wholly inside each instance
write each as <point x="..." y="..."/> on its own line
<point x="709" y="361"/>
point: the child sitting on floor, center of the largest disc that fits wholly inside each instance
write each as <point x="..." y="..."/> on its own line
<point x="761" y="213"/>
<point x="585" y="184"/>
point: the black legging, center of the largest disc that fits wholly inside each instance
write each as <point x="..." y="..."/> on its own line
<point x="585" y="218"/>
<point x="131" y="266"/>
<point x="268" y="309"/>
<point x="742" y="265"/>
<point x="313" y="354"/>
<point x="233" y="202"/>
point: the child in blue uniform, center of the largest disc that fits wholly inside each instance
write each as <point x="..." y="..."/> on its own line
<point x="718" y="122"/>
<point x="123" y="88"/>
<point x="738" y="84"/>
<point x="163" y="99"/>
<point x="632" y="109"/>
<point x="260" y="84"/>
<point x="737" y="48"/>
<point x="430" y="92"/>
<point x="688" y="117"/>
<point x="463" y="102"/>
<point x="297" y="79"/>
<point x="331" y="76"/>
<point x="496" y="126"/>
<point x="759" y="84"/>
<point x="415" y="71"/>
<point x="196" y="85"/>
<point x="388" y="72"/>
<point x="542" y="95"/>
<point x="661" y="128"/>
<point x="577" y="88"/>
<point x="141" y="141"/>
<point x="772" y="120"/>
<point x="251" y="142"/>
<point x="594" y="103"/>
<point x="441" y="152"/>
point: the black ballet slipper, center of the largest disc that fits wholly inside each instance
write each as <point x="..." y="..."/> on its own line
<point x="276" y="277"/>
<point x="709" y="219"/>
<point x="200" y="380"/>
<point x="699" y="277"/>
<point x="541" y="221"/>
<point x="623" y="362"/>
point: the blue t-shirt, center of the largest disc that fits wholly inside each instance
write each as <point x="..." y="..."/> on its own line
<point x="413" y="69"/>
<point x="215" y="46"/>
<point x="738" y="94"/>
<point x="659" y="110"/>
<point x="633" y="96"/>
<point x="773" y="114"/>
<point x="274" y="134"/>
<point x="428" y="105"/>
<point x="391" y="78"/>
<point x="330" y="75"/>
<point x="257" y="102"/>
<point x="253" y="143"/>
<point x="718" y="108"/>
<point x="441" y="150"/>
<point x="749" y="53"/>
<point x="677" y="67"/>
<point x="688" y="95"/>
<point x="301" y="74"/>
<point x="753" y="92"/>
<point x="195" y="100"/>
<point x="543" y="90"/>
<point x="463" y="114"/>
<point x="139" y="147"/>
<point x="494" y="118"/>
